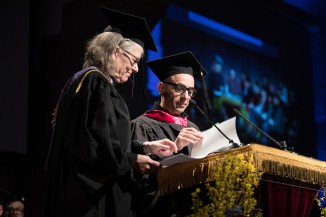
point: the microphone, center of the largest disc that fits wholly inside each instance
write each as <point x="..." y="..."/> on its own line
<point x="281" y="145"/>
<point x="232" y="144"/>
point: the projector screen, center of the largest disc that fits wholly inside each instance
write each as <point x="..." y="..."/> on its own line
<point x="253" y="79"/>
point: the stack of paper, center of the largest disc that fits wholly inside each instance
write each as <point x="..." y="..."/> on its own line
<point x="213" y="141"/>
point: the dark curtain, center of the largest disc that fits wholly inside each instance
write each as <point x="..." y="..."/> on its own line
<point x="285" y="200"/>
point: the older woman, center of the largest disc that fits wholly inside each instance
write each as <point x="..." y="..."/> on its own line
<point x="90" y="160"/>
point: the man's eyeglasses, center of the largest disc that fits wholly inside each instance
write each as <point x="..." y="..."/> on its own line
<point x="180" y="88"/>
<point x="132" y="61"/>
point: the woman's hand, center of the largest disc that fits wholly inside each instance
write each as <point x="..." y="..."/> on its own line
<point x="161" y="148"/>
<point x="145" y="165"/>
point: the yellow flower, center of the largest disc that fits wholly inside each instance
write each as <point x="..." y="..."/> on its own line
<point x="232" y="184"/>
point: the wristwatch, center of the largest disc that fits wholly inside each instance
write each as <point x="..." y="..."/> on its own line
<point x="145" y="148"/>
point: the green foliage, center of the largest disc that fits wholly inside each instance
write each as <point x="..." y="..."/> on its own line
<point x="232" y="184"/>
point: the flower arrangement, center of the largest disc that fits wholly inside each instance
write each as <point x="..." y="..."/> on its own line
<point x="229" y="191"/>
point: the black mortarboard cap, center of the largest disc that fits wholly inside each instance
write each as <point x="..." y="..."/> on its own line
<point x="4" y="197"/>
<point x="129" y="26"/>
<point x="182" y="63"/>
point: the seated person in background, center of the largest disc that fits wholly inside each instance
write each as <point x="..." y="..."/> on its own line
<point x="1" y="206"/>
<point x="216" y="80"/>
<point x="234" y="85"/>
<point x="217" y="88"/>
<point x="168" y="119"/>
<point x="4" y="203"/>
<point x="17" y="206"/>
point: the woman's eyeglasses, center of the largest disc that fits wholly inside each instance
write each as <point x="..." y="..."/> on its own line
<point x="180" y="88"/>
<point x="132" y="61"/>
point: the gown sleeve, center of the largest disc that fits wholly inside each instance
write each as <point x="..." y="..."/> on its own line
<point x="143" y="130"/>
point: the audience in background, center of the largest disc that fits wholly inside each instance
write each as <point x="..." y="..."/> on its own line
<point x="11" y="205"/>
<point x="266" y="102"/>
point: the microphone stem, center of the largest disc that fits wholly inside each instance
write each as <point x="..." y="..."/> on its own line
<point x="276" y="142"/>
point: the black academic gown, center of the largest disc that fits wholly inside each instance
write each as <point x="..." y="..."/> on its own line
<point x="150" y="203"/>
<point x="90" y="157"/>
<point x="145" y="128"/>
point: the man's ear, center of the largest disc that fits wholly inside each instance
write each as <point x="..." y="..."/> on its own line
<point x="160" y="87"/>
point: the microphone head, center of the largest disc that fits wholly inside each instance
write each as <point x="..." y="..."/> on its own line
<point x="236" y="111"/>
<point x="192" y="101"/>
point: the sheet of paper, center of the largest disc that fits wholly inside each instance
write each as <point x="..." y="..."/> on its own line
<point x="213" y="141"/>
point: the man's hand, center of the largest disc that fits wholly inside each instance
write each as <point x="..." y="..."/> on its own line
<point x="188" y="136"/>
<point x="146" y="165"/>
<point x="161" y="148"/>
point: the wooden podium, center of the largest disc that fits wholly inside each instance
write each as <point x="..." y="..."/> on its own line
<point x="288" y="186"/>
